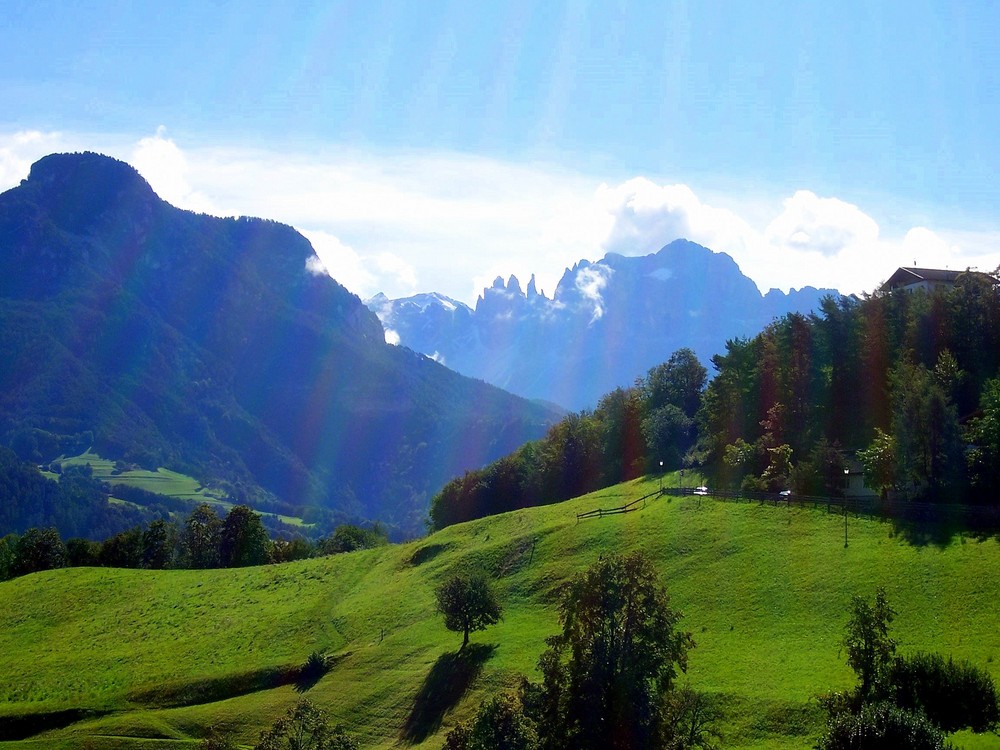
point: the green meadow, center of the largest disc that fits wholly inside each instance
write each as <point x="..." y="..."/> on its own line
<point x="144" y="659"/>
<point x="161" y="481"/>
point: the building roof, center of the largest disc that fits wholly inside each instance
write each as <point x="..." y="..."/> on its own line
<point x="906" y="275"/>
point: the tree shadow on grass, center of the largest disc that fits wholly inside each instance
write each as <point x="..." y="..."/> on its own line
<point x="942" y="525"/>
<point x="925" y="534"/>
<point x="443" y="688"/>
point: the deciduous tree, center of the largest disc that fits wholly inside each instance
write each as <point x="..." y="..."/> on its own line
<point x="618" y="653"/>
<point x="38" y="549"/>
<point x="243" y="540"/>
<point x="870" y="649"/>
<point x="200" y="539"/>
<point x="879" y="463"/>
<point x="468" y="603"/>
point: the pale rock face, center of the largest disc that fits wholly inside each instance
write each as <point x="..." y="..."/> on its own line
<point x="606" y="324"/>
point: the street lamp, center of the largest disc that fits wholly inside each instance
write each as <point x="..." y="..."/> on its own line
<point x="661" y="477"/>
<point x="847" y="474"/>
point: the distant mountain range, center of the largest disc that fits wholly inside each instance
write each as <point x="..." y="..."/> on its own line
<point x="207" y="345"/>
<point x="606" y="324"/>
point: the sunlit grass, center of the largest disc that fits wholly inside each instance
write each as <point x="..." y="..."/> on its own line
<point x="764" y="591"/>
<point x="162" y="482"/>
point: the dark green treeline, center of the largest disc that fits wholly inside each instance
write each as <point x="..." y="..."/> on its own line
<point x="903" y="385"/>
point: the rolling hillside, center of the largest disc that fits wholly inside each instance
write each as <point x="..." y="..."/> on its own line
<point x="152" y="659"/>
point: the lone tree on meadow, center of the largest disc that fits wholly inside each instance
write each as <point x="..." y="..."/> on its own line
<point x="607" y="674"/>
<point x="468" y="602"/>
<point x="870" y="649"/>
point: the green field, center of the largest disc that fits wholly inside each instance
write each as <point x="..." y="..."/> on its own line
<point x="161" y="481"/>
<point x="156" y="657"/>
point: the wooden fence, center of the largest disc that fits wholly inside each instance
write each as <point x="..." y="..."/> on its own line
<point x="627" y="508"/>
<point x="973" y="517"/>
<point x="968" y="516"/>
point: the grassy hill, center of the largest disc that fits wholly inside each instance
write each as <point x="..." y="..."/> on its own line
<point x="161" y="481"/>
<point x="157" y="657"/>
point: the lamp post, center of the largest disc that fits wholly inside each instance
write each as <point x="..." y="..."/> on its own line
<point x="847" y="474"/>
<point x="661" y="477"/>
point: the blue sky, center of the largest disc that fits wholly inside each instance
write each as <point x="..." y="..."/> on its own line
<point x="430" y="146"/>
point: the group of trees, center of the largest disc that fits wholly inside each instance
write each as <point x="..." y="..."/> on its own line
<point x="202" y="540"/>
<point x="907" y="381"/>
<point x="608" y="678"/>
<point x="77" y="504"/>
<point x="630" y="433"/>
<point x="903" y="701"/>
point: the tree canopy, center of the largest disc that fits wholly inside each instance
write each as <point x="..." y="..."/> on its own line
<point x="618" y="654"/>
<point x="629" y="433"/>
<point x="468" y="603"/>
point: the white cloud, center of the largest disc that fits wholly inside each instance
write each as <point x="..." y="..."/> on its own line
<point x="590" y="281"/>
<point x="166" y="169"/>
<point x="391" y="337"/>
<point x="19" y="150"/>
<point x="646" y="216"/>
<point x="395" y="267"/>
<point x="409" y="221"/>
<point x="315" y="267"/>
<point x="824" y="225"/>
<point x="341" y="262"/>
<point x="811" y="240"/>
<point x="928" y="249"/>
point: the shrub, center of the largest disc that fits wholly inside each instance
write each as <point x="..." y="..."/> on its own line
<point x="348" y="538"/>
<point x="500" y="723"/>
<point x="954" y="695"/>
<point x="305" y="726"/>
<point x="314" y="668"/>
<point x="881" y="725"/>
<point x="216" y="740"/>
<point x="688" y="719"/>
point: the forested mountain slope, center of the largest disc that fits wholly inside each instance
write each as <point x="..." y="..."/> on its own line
<point x="168" y="338"/>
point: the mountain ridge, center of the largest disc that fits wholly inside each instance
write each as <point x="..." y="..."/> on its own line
<point x="207" y="344"/>
<point x="606" y="324"/>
